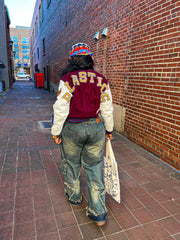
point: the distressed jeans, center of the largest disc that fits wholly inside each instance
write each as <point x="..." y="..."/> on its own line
<point x="82" y="146"/>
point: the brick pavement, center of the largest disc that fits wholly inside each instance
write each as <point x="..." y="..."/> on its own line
<point x="32" y="202"/>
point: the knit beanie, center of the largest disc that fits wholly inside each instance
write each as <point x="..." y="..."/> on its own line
<point x="80" y="49"/>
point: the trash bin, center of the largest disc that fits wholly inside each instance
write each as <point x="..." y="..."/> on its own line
<point x="39" y="80"/>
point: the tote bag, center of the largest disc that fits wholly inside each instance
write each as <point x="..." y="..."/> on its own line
<point x="111" y="176"/>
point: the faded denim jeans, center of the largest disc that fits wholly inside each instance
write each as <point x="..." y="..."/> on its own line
<point x="83" y="145"/>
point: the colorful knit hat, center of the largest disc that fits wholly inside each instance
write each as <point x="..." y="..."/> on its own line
<point x="80" y="49"/>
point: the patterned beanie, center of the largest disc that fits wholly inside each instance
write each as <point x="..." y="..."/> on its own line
<point x="80" y="49"/>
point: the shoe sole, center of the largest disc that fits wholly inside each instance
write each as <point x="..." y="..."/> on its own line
<point x="100" y="224"/>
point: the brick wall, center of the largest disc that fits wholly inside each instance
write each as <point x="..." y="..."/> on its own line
<point x="153" y="93"/>
<point x="139" y="57"/>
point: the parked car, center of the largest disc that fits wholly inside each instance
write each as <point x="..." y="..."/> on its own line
<point x="28" y="76"/>
<point x="22" y="76"/>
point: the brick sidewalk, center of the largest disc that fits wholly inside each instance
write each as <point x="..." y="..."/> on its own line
<point x="32" y="202"/>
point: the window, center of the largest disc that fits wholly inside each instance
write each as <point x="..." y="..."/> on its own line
<point x="33" y="36"/>
<point x="48" y="2"/>
<point x="24" y="51"/>
<point x="25" y="40"/>
<point x="16" y="56"/>
<point x="44" y="49"/>
<point x="40" y="15"/>
<point x="15" y="39"/>
<point x="42" y="7"/>
<point x="24" y="57"/>
<point x="41" y="12"/>
<point x="16" y="50"/>
<point x="36" y="27"/>
<point x="24" y="46"/>
<point x="38" y="53"/>
<point x="15" y="45"/>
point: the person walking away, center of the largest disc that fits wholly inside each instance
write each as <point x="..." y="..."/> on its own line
<point x="83" y="94"/>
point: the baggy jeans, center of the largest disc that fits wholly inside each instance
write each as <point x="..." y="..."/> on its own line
<point x="83" y="145"/>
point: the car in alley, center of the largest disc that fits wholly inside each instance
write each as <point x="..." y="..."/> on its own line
<point x="22" y="76"/>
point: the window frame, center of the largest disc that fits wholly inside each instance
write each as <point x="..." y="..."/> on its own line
<point x="44" y="47"/>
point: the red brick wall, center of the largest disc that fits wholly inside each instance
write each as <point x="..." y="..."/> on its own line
<point x="140" y="58"/>
<point x="153" y="93"/>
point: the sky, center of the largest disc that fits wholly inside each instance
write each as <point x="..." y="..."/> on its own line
<point x="20" y="12"/>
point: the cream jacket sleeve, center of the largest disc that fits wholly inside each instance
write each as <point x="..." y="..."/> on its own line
<point x="61" y="108"/>
<point x="106" y="109"/>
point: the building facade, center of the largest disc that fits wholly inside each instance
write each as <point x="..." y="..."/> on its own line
<point x="21" y="50"/>
<point x="136" y="46"/>
<point x="6" y="57"/>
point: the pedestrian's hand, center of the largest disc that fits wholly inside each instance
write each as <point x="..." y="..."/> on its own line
<point x="109" y="136"/>
<point x="57" y="139"/>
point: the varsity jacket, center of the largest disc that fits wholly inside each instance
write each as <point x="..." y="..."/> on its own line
<point x="82" y="94"/>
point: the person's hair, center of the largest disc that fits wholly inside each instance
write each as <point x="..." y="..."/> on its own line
<point x="79" y="62"/>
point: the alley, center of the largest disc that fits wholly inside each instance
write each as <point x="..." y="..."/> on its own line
<point x="32" y="201"/>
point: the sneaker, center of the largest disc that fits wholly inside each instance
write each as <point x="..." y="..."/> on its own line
<point x="99" y="220"/>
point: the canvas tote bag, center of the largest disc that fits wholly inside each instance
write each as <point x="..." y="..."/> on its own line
<point x="111" y="176"/>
